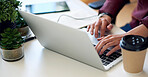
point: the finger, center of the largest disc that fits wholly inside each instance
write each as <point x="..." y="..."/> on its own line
<point x="97" y="45"/>
<point x="97" y="25"/>
<point x="100" y="45"/>
<point x="107" y="46"/>
<point x="100" y="38"/>
<point x="103" y="42"/>
<point x="109" y="27"/>
<point x="113" y="50"/>
<point x="103" y="27"/>
<point x="106" y="37"/>
<point x="92" y="29"/>
<point x="88" y="27"/>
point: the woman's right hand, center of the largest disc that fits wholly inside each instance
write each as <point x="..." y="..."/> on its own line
<point x="102" y="24"/>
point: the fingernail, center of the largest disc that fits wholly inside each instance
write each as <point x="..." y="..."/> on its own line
<point x="87" y="30"/>
<point x="107" y="54"/>
<point x="100" y="53"/>
<point x="98" y="39"/>
<point x="96" y="36"/>
<point x="91" y="33"/>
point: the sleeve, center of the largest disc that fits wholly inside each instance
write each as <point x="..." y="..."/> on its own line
<point x="113" y="7"/>
<point x="145" y="21"/>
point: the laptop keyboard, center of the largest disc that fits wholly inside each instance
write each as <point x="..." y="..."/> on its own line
<point x="105" y="59"/>
<point x="108" y="59"/>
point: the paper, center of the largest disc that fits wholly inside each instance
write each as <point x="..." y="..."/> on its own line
<point x="81" y="19"/>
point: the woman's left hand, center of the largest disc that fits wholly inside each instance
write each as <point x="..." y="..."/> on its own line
<point x="108" y="41"/>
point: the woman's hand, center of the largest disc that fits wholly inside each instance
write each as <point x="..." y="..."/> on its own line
<point x="108" y="41"/>
<point x="114" y="40"/>
<point x="103" y="24"/>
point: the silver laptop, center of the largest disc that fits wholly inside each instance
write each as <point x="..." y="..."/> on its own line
<point x="70" y="42"/>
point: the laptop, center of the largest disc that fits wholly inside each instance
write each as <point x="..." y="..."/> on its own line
<point x="70" y="42"/>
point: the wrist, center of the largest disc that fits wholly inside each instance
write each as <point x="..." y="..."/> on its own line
<point x="105" y="16"/>
<point x="105" y="13"/>
<point x="108" y="18"/>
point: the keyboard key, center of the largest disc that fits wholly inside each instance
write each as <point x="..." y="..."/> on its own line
<point x="108" y="59"/>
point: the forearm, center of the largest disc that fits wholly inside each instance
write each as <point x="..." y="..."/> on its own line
<point x="141" y="30"/>
<point x="113" y="6"/>
<point x="145" y="21"/>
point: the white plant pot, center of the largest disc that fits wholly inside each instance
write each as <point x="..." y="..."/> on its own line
<point x="12" y="55"/>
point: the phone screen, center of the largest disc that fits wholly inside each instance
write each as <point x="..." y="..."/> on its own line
<point x="50" y="7"/>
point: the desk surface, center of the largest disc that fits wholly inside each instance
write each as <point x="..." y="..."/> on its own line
<point x="40" y="62"/>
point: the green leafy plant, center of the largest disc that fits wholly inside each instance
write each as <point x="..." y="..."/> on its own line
<point x="8" y="14"/>
<point x="8" y="10"/>
<point x="11" y="39"/>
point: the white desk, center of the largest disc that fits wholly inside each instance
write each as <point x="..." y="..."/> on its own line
<point x="40" y="62"/>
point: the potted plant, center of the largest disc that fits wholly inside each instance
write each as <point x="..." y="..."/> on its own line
<point x="8" y="14"/>
<point x="11" y="45"/>
<point x="22" y="26"/>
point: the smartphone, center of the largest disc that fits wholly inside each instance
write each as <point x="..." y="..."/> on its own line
<point x="49" y="7"/>
<point x="97" y="4"/>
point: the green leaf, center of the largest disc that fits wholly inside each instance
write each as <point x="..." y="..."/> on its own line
<point x="3" y="35"/>
<point x="7" y="30"/>
<point x="18" y="34"/>
<point x="14" y="39"/>
<point x="16" y="46"/>
<point x="10" y="42"/>
<point x="3" y="45"/>
<point x="4" y="39"/>
<point x="15" y="30"/>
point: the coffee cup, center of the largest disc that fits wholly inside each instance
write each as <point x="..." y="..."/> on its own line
<point x="133" y="49"/>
